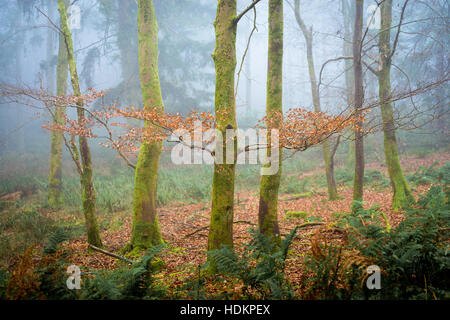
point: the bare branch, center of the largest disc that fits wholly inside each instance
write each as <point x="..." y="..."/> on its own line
<point x="250" y="7"/>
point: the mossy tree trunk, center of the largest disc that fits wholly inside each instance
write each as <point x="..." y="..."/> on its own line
<point x="146" y="232"/>
<point x="326" y="150"/>
<point x="224" y="56"/>
<point x="55" y="195"/>
<point x="270" y="184"/>
<point x="401" y="193"/>
<point x="358" y="177"/>
<point x="348" y="12"/>
<point x="87" y="185"/>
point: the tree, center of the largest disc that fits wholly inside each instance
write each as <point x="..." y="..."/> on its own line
<point x="55" y="198"/>
<point x="329" y="167"/>
<point x="358" y="101"/>
<point x="348" y="12"/>
<point x="401" y="193"/>
<point x="146" y="232"/>
<point x="268" y="198"/>
<point x="224" y="56"/>
<point x="84" y="154"/>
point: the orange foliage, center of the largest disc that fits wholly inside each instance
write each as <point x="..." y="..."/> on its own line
<point x="299" y="130"/>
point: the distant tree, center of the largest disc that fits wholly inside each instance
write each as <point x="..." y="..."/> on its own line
<point x="326" y="148"/>
<point x="55" y="196"/>
<point x="348" y="13"/>
<point x="358" y="178"/>
<point x="401" y="193"/>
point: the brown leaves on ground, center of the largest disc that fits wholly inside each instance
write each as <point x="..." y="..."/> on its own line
<point x="185" y="228"/>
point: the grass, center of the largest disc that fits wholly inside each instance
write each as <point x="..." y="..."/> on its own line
<point x="27" y="221"/>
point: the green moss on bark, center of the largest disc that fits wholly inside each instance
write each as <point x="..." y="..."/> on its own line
<point x="87" y="186"/>
<point x="402" y="196"/>
<point x="55" y="197"/>
<point x="224" y="56"/>
<point x="146" y="232"/>
<point x="358" y="178"/>
<point x="270" y="184"/>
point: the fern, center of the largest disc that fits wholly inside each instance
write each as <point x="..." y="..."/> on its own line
<point x="413" y="257"/>
<point x="56" y="238"/>
<point x="135" y="282"/>
<point x="260" y="267"/>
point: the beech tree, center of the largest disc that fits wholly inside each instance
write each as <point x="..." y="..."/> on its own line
<point x="224" y="56"/>
<point x="348" y="13"/>
<point x="268" y="198"/>
<point x="358" y="178"/>
<point x="146" y="231"/>
<point x="326" y="148"/>
<point x="55" y="198"/>
<point x="401" y="193"/>
<point x="82" y="156"/>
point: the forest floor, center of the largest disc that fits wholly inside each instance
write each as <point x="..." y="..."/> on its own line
<point x="185" y="227"/>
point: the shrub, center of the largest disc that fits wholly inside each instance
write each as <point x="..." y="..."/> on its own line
<point x="413" y="258"/>
<point x="260" y="267"/>
<point x="430" y="175"/>
<point x="45" y="278"/>
<point x="126" y="283"/>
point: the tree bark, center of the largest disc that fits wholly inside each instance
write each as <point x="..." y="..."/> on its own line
<point x="146" y="232"/>
<point x="358" y="100"/>
<point x="348" y="11"/>
<point x="402" y="196"/>
<point x="329" y="172"/>
<point x="224" y="56"/>
<point x="270" y="184"/>
<point x="55" y="196"/>
<point x="87" y="185"/>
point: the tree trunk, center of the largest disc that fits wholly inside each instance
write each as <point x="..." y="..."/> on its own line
<point x="55" y="197"/>
<point x="348" y="11"/>
<point x="402" y="196"/>
<point x="19" y="143"/>
<point x="329" y="172"/>
<point x="268" y="198"/>
<point x="359" y="99"/>
<point x="224" y="56"/>
<point x="146" y="232"/>
<point x="87" y="186"/>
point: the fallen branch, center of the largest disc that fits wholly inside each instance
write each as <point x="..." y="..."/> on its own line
<point x="207" y="227"/>
<point x="111" y="254"/>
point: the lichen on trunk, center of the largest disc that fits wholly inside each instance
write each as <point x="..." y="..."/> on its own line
<point x="55" y="195"/>
<point x="270" y="184"/>
<point x="358" y="178"/>
<point x="402" y="196"/>
<point x="145" y="231"/>
<point x="224" y="56"/>
<point x="87" y="186"/>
